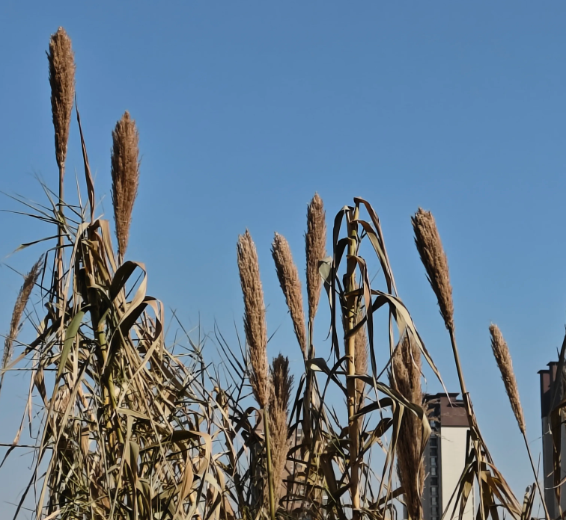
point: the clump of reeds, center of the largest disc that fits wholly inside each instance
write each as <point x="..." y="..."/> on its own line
<point x="288" y="276"/>
<point x="505" y="364"/>
<point x="62" y="81"/>
<point x="281" y="383"/>
<point x="405" y="377"/>
<point x="435" y="262"/>
<point x="125" y="177"/>
<point x="315" y="246"/>
<point x="19" y="307"/>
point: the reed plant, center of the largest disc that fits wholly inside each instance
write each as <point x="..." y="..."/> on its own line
<point x="128" y="428"/>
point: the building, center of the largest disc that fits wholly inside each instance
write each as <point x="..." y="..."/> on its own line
<point x="445" y="455"/>
<point x="548" y="380"/>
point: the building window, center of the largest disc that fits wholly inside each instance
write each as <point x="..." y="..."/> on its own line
<point x="434" y="491"/>
<point x="434" y="501"/>
<point x="433" y="471"/>
<point x="433" y="461"/>
<point x="434" y="442"/>
<point x="433" y="452"/>
<point x="434" y="481"/>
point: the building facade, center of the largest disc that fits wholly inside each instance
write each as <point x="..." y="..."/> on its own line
<point x="548" y="383"/>
<point x="445" y="456"/>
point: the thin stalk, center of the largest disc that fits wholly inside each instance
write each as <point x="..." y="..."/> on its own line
<point x="308" y="438"/>
<point x="307" y="401"/>
<point x="59" y="280"/>
<point x="458" y="365"/>
<point x="350" y="322"/>
<point x="269" y="464"/>
<point x="536" y="476"/>
<point x="474" y="432"/>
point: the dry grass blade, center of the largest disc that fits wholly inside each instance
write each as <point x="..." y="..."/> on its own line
<point x="434" y="259"/>
<point x="503" y="358"/>
<point x="254" y="317"/>
<point x="62" y="81"/>
<point x="315" y="242"/>
<point x="21" y="301"/>
<point x="125" y="177"/>
<point x="406" y="379"/>
<point x="281" y="384"/>
<point x="288" y="276"/>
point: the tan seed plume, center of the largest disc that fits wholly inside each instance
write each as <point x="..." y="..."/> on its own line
<point x="503" y="358"/>
<point x="315" y="242"/>
<point x="434" y="259"/>
<point x="288" y="276"/>
<point x="280" y="396"/>
<point x="254" y="317"/>
<point x="62" y="80"/>
<point x="125" y="177"/>
<point x="406" y="379"/>
<point x="19" y="307"/>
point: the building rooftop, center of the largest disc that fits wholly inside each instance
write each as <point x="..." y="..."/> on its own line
<point x="447" y="409"/>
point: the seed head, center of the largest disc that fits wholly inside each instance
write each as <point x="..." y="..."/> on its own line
<point x="503" y="358"/>
<point x="125" y="177"/>
<point x="315" y="242"/>
<point x="19" y="307"/>
<point x="62" y="81"/>
<point x="254" y="317"/>
<point x="281" y="384"/>
<point x="435" y="262"/>
<point x="288" y="276"/>
<point x="405" y="378"/>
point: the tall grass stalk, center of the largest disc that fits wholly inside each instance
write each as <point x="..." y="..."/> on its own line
<point x="350" y="322"/>
<point x="62" y="81"/>
<point x="505" y="365"/>
<point x="256" y="336"/>
<point x="433" y="257"/>
<point x="19" y="307"/>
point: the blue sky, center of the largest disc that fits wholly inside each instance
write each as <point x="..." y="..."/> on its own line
<point x="245" y="109"/>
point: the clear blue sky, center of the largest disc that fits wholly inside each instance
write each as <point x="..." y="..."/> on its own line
<point x="246" y="108"/>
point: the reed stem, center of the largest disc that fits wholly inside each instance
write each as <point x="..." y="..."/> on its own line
<point x="350" y="322"/>
<point x="272" y="507"/>
<point x="536" y="476"/>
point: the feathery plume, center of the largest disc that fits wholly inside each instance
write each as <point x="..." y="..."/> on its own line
<point x="125" y="177"/>
<point x="280" y="395"/>
<point x="288" y="276"/>
<point x="315" y="242"/>
<point x="434" y="259"/>
<point x="254" y="317"/>
<point x="503" y="358"/>
<point x="406" y="379"/>
<point x="62" y="81"/>
<point x="21" y="301"/>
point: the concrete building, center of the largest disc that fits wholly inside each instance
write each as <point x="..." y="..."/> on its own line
<point x="445" y="456"/>
<point x="548" y="379"/>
